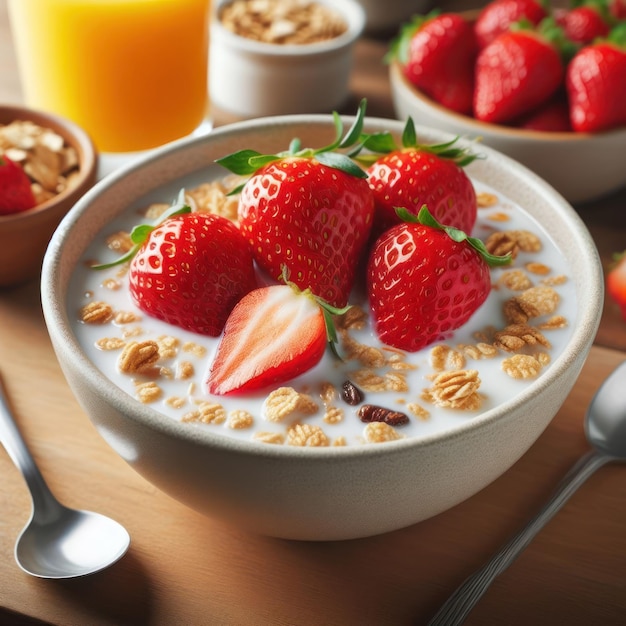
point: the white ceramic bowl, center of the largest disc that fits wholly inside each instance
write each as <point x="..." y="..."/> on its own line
<point x="314" y="493"/>
<point x="250" y="78"/>
<point x="581" y="166"/>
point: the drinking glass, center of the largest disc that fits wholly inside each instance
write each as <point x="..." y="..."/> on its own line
<point x="132" y="73"/>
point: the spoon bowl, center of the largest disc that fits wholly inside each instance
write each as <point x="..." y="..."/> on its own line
<point x="605" y="423"/>
<point x="74" y="543"/>
<point x="57" y="542"/>
<point x="605" y="429"/>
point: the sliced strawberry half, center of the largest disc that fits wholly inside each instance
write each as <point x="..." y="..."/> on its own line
<point x="273" y="334"/>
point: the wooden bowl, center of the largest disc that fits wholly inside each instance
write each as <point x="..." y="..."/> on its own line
<point x="24" y="236"/>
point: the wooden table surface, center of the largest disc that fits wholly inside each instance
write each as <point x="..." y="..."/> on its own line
<point x="184" y="569"/>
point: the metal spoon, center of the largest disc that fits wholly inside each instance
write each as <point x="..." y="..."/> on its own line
<point x="605" y="428"/>
<point x="57" y="542"/>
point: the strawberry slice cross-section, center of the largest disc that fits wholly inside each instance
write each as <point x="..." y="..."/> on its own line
<point x="273" y="334"/>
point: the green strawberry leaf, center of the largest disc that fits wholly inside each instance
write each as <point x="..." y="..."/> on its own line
<point x="295" y="146"/>
<point x="384" y="143"/>
<point x="381" y="142"/>
<point x="140" y="233"/>
<point x="248" y="162"/>
<point x="258" y="161"/>
<point x="552" y="33"/>
<point x="354" y="133"/>
<point x="426" y="218"/>
<point x="617" y="35"/>
<point x="341" y="162"/>
<point x="239" y="162"/>
<point x="409" y="136"/>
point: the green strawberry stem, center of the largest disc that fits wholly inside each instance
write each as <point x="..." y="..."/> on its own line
<point x="601" y="6"/>
<point x="248" y="162"/>
<point x="140" y="233"/>
<point x="425" y="217"/>
<point x="384" y="143"/>
<point x="328" y="311"/>
<point x="617" y="35"/>
<point x="552" y="33"/>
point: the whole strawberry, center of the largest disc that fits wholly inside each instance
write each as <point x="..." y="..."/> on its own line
<point x="16" y="194"/>
<point x="414" y="175"/>
<point x="616" y="282"/>
<point x="437" y="54"/>
<point x="189" y="270"/>
<point x="553" y="116"/>
<point x="617" y="9"/>
<point x="596" y="84"/>
<point x="498" y="16"/>
<point x="308" y="210"/>
<point x="424" y="281"/>
<point x="518" y="71"/>
<point x="585" y="22"/>
<point x="192" y="271"/>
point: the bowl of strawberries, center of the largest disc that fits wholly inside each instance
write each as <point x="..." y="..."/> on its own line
<point x="543" y="85"/>
<point x="46" y="164"/>
<point x="321" y="327"/>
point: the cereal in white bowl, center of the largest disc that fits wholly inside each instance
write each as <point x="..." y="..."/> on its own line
<point x="336" y="491"/>
<point x="525" y="323"/>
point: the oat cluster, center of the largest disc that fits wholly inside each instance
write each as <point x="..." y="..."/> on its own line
<point x="449" y="378"/>
<point x="49" y="162"/>
<point x="282" y="21"/>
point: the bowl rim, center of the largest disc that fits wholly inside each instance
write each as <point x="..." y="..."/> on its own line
<point x="397" y="77"/>
<point x="351" y="11"/>
<point x="59" y="325"/>
<point x="71" y="133"/>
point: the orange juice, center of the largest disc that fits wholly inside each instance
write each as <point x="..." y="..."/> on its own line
<point x="133" y="73"/>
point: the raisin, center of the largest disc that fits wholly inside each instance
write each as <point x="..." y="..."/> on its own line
<point x="372" y="413"/>
<point x="351" y="394"/>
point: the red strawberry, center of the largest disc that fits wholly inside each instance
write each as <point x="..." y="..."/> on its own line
<point x="415" y="175"/>
<point x="425" y="281"/>
<point x="586" y="22"/>
<point x="617" y="8"/>
<point x="616" y="282"/>
<point x="550" y="117"/>
<point x="274" y="334"/>
<point x="520" y="70"/>
<point x="190" y="269"/>
<point x="437" y="54"/>
<point x="16" y="194"/>
<point x="308" y="210"/>
<point x="498" y="16"/>
<point x="596" y="84"/>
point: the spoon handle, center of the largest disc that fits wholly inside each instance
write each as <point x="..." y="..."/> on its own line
<point x="12" y="440"/>
<point x="458" y="606"/>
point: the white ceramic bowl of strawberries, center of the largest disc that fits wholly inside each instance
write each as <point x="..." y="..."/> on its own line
<point x="566" y="128"/>
<point x="304" y="481"/>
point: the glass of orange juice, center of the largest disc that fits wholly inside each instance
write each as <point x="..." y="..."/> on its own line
<point x="132" y="73"/>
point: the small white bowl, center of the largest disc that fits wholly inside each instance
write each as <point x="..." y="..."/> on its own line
<point x="335" y="492"/>
<point x="249" y="78"/>
<point x="580" y="166"/>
